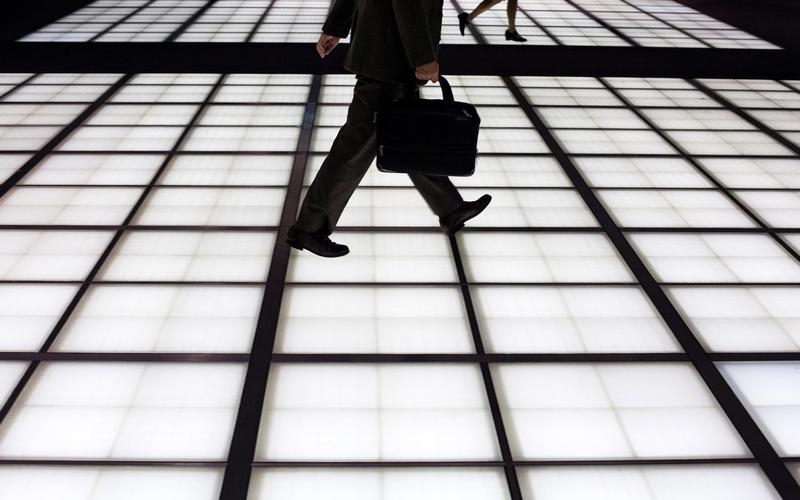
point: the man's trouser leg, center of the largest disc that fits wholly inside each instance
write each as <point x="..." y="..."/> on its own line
<point x="350" y="156"/>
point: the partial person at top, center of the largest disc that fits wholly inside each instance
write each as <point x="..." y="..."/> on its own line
<point x="465" y="19"/>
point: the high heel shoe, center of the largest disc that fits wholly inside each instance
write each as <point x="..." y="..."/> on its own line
<point x="513" y="35"/>
<point x="462" y="22"/>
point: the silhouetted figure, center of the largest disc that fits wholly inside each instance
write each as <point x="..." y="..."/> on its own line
<point x="394" y="44"/>
<point x="511" y="11"/>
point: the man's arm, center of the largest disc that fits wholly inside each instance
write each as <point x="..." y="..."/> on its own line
<point x="412" y="22"/>
<point x="340" y="18"/>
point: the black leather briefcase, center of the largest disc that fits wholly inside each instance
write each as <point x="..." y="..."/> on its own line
<point x="427" y="136"/>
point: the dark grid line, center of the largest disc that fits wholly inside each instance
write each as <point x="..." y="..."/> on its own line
<point x="120" y="21"/>
<point x="65" y="131"/>
<point x="293" y="358"/>
<point x="387" y="464"/>
<point x="751" y="434"/>
<point x="385" y="187"/>
<point x="236" y="481"/>
<point x="401" y="229"/>
<point x="64" y="317"/>
<point x="185" y="25"/>
<point x="488" y="384"/>
<point x="704" y="172"/>
<point x="261" y="18"/>
<point x="372" y="358"/>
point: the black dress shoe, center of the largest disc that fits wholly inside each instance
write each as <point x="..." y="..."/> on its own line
<point x="462" y="22"/>
<point x="513" y="35"/>
<point x="455" y="220"/>
<point x="315" y="243"/>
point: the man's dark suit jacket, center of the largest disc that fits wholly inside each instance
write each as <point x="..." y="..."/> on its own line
<point x="389" y="37"/>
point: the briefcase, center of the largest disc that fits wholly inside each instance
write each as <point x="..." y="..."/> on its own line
<point x="428" y="136"/>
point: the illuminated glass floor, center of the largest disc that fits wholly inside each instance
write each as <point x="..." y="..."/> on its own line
<point x="648" y="23"/>
<point x="594" y="334"/>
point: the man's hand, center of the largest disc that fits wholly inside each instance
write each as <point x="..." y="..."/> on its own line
<point x="325" y="44"/>
<point x="428" y="71"/>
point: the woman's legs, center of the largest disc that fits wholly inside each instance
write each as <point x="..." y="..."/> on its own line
<point x="511" y="11"/>
<point x="482" y="7"/>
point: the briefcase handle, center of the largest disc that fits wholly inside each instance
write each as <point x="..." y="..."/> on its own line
<point x="447" y="92"/>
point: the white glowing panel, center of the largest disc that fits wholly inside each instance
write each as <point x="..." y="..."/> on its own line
<point x="117" y="138"/>
<point x="250" y="115"/>
<point x="57" y="93"/>
<point x="671" y="482"/>
<point x="755" y="172"/>
<point x="28" y="314"/>
<point x="565" y="319"/>
<point x="125" y="410"/>
<point x="640" y="172"/>
<point x="794" y="240"/>
<point x="670" y="98"/>
<point x="613" y="142"/>
<point x="531" y="208"/>
<point x="143" y="115"/>
<point x="50" y="255"/>
<point x="728" y="143"/>
<point x="212" y="207"/>
<point x="10" y="373"/>
<point x="379" y="257"/>
<point x="163" y="319"/>
<point x="39" y="114"/>
<point x="516" y="171"/>
<point x="441" y="483"/>
<point x="380" y="319"/>
<point x="242" y="139"/>
<point x="515" y="140"/>
<point x="119" y="483"/>
<point x="229" y="170"/>
<point x="190" y="256"/>
<point x="25" y="138"/>
<point x="588" y="411"/>
<point x="736" y="319"/>
<point x="259" y="93"/>
<point x="387" y="207"/>
<point x="778" y="209"/>
<point x="376" y="412"/>
<point x="592" y="118"/>
<point x="770" y="391"/>
<point x="540" y="257"/>
<point x="161" y="93"/>
<point x="80" y="206"/>
<point x="697" y="119"/>
<point x="716" y="258"/>
<point x="95" y="169"/>
<point x="10" y="164"/>
<point x="570" y="97"/>
<point x="673" y="209"/>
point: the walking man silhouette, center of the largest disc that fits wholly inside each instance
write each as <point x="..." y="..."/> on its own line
<point x="394" y="47"/>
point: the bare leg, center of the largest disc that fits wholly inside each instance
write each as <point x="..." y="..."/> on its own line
<point x="481" y="8"/>
<point x="511" y="10"/>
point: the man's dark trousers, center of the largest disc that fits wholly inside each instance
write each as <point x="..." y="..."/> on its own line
<point x="352" y="153"/>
